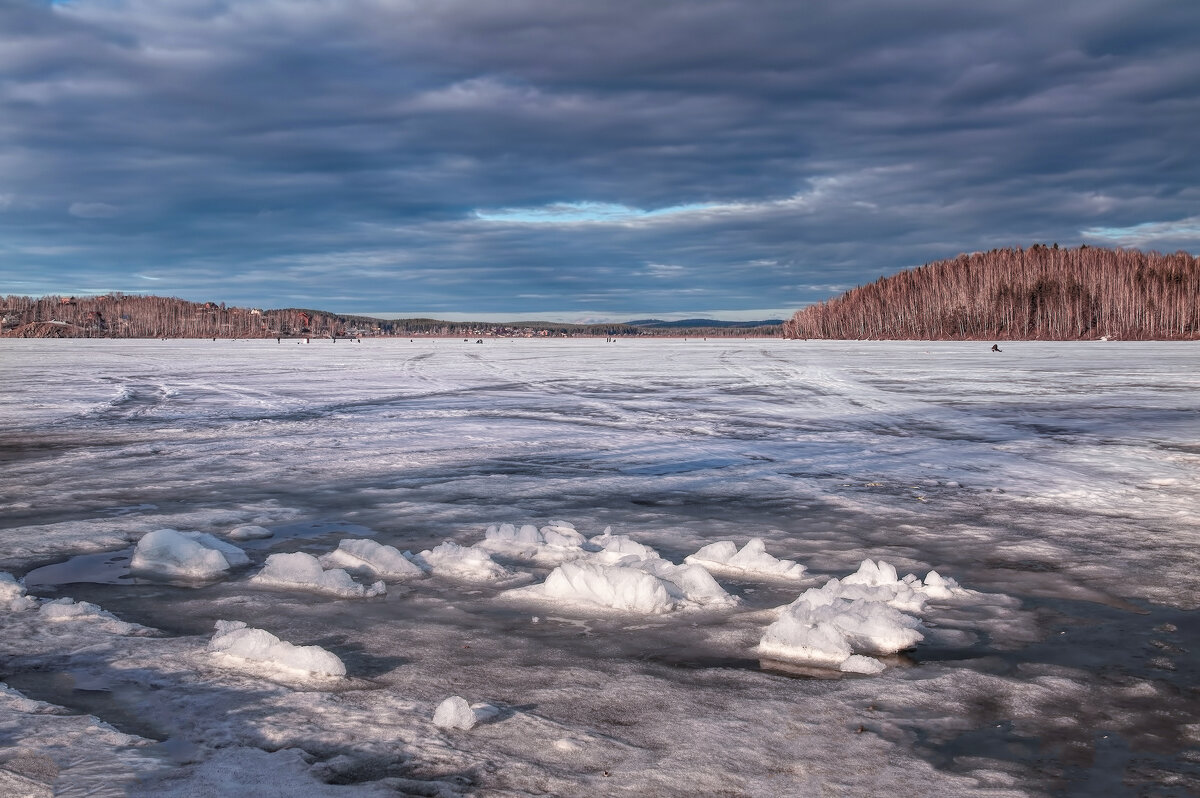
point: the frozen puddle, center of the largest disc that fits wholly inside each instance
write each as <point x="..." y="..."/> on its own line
<point x="639" y="568"/>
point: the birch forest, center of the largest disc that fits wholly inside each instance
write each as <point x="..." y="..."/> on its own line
<point x="1039" y="293"/>
<point x="122" y="316"/>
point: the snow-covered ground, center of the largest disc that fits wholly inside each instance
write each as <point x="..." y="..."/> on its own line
<point x="1057" y="485"/>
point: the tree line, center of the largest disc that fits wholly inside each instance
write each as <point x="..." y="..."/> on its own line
<point x="1039" y="293"/>
<point x="123" y="316"/>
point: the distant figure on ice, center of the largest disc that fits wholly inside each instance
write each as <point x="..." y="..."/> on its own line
<point x="996" y="348"/>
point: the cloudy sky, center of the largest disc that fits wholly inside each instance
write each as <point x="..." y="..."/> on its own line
<point x="579" y="160"/>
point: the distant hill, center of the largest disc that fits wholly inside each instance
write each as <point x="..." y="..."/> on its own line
<point x="706" y="323"/>
<point x="121" y="316"/>
<point x="1039" y="293"/>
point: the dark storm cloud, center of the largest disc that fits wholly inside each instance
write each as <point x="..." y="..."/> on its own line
<point x="526" y="156"/>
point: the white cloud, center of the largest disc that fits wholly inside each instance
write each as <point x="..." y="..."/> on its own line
<point x="1148" y="232"/>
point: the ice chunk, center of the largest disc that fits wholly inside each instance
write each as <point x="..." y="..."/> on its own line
<point x="614" y="586"/>
<point x="456" y="713"/>
<point x="873" y="573"/>
<point x="800" y="637"/>
<point x="169" y="552"/>
<point x="460" y="562"/>
<point x="555" y="542"/>
<point x="12" y="594"/>
<point x="67" y="609"/>
<point x="856" y="663"/>
<point x="362" y="554"/>
<point x="300" y="571"/>
<point x="561" y="534"/>
<point x="751" y="560"/>
<point x="901" y="595"/>
<point x="940" y="588"/>
<point x="233" y="555"/>
<point x="249" y="532"/>
<point x="908" y="594"/>
<point x="689" y="583"/>
<point x="615" y="547"/>
<point x="236" y="639"/>
<point x="825" y="627"/>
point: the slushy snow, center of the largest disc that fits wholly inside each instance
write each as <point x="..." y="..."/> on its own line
<point x="751" y="560"/>
<point x="192" y="555"/>
<point x="236" y="639"/>
<point x="367" y="556"/>
<point x="300" y="571"/>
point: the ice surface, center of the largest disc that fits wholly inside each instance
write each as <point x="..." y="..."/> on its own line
<point x="751" y="560"/>
<point x="236" y="639"/>
<point x="461" y="562"/>
<point x="195" y="555"/>
<point x="1053" y="475"/>
<point x="300" y="571"/>
<point x="377" y="559"/>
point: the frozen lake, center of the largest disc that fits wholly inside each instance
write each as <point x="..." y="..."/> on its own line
<point x="1059" y="481"/>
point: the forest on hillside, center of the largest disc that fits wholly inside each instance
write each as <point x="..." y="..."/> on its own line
<point x="1039" y="293"/>
<point x="123" y="316"/>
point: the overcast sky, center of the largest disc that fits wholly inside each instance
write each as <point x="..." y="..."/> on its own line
<point x="579" y="160"/>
